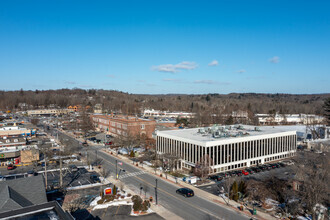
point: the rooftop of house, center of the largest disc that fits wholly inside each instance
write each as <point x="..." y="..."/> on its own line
<point x="22" y="192"/>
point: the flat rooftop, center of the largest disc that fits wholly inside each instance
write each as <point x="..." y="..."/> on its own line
<point x="227" y="132"/>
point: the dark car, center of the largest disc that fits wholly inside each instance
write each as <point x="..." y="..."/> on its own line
<point x="95" y="179"/>
<point x="256" y="169"/>
<point x="32" y="173"/>
<point x="263" y="167"/>
<point x="185" y="192"/>
<point x="250" y="171"/>
<point x="215" y="177"/>
<point x="239" y="173"/>
<point x="281" y="164"/>
<point x="11" y="167"/>
<point x="92" y="139"/>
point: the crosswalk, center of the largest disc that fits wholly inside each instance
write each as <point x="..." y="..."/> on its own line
<point x="132" y="174"/>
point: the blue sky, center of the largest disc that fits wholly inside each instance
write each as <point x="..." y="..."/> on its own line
<point x="161" y="47"/>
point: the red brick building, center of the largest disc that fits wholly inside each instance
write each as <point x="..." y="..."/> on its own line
<point x="123" y="126"/>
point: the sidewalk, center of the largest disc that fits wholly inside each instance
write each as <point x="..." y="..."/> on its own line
<point x="234" y="206"/>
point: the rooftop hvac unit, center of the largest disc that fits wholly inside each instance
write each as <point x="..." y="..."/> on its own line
<point x="257" y="129"/>
<point x="201" y="130"/>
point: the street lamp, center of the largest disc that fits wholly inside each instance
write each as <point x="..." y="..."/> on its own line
<point x="156" y="193"/>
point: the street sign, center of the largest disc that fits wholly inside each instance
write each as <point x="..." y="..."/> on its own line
<point x="107" y="191"/>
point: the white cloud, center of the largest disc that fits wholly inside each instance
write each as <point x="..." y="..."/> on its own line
<point x="171" y="80"/>
<point x="210" y="82"/>
<point x="170" y="68"/>
<point x="274" y="59"/>
<point x="214" y="63"/>
<point x="241" y="71"/>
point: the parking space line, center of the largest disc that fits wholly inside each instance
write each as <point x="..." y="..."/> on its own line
<point x="117" y="210"/>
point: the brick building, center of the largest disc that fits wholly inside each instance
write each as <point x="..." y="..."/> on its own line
<point x="123" y="126"/>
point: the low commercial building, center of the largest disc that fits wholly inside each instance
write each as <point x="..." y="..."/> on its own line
<point x="166" y="114"/>
<point x="305" y="119"/>
<point x="227" y="147"/>
<point x="16" y="131"/>
<point x="124" y="126"/>
<point x="39" y="112"/>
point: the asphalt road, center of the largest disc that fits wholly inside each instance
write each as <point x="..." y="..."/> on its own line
<point x="194" y="208"/>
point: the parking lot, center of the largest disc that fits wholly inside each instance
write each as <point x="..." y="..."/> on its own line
<point x="282" y="172"/>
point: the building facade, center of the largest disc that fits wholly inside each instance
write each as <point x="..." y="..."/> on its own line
<point x="228" y="148"/>
<point x="49" y="112"/>
<point x="124" y="126"/>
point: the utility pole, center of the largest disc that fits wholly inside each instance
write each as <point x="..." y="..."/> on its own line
<point x="156" y="193"/>
<point x="61" y="177"/>
<point x="116" y="170"/>
<point x="45" y="171"/>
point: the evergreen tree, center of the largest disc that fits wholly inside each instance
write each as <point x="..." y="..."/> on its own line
<point x="242" y="188"/>
<point x="326" y="108"/>
<point x="234" y="190"/>
<point x="132" y="154"/>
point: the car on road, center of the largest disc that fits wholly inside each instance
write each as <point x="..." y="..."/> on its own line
<point x="10" y="167"/>
<point x="186" y="192"/>
<point x="94" y="178"/>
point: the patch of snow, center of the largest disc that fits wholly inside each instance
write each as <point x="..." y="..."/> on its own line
<point x="104" y="206"/>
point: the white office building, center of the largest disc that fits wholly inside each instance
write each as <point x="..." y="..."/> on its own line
<point x="228" y="147"/>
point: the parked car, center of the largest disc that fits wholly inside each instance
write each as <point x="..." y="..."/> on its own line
<point x="10" y="167"/>
<point x="186" y="192"/>
<point x="250" y="171"/>
<point x="263" y="167"/>
<point x="92" y="139"/>
<point x="281" y="164"/>
<point x="31" y="173"/>
<point x="277" y="165"/>
<point x="216" y="177"/>
<point x="239" y="173"/>
<point x="245" y="173"/>
<point x="94" y="178"/>
<point x="73" y="168"/>
<point x="85" y="143"/>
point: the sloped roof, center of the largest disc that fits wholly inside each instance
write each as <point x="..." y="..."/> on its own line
<point x="23" y="192"/>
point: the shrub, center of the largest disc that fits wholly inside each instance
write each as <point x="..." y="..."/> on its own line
<point x="129" y="195"/>
<point x="145" y="205"/>
<point x="109" y="198"/>
<point x="137" y="202"/>
<point x="123" y="197"/>
<point x="101" y="201"/>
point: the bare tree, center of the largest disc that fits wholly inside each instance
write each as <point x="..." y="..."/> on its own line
<point x="203" y="166"/>
<point x="312" y="173"/>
